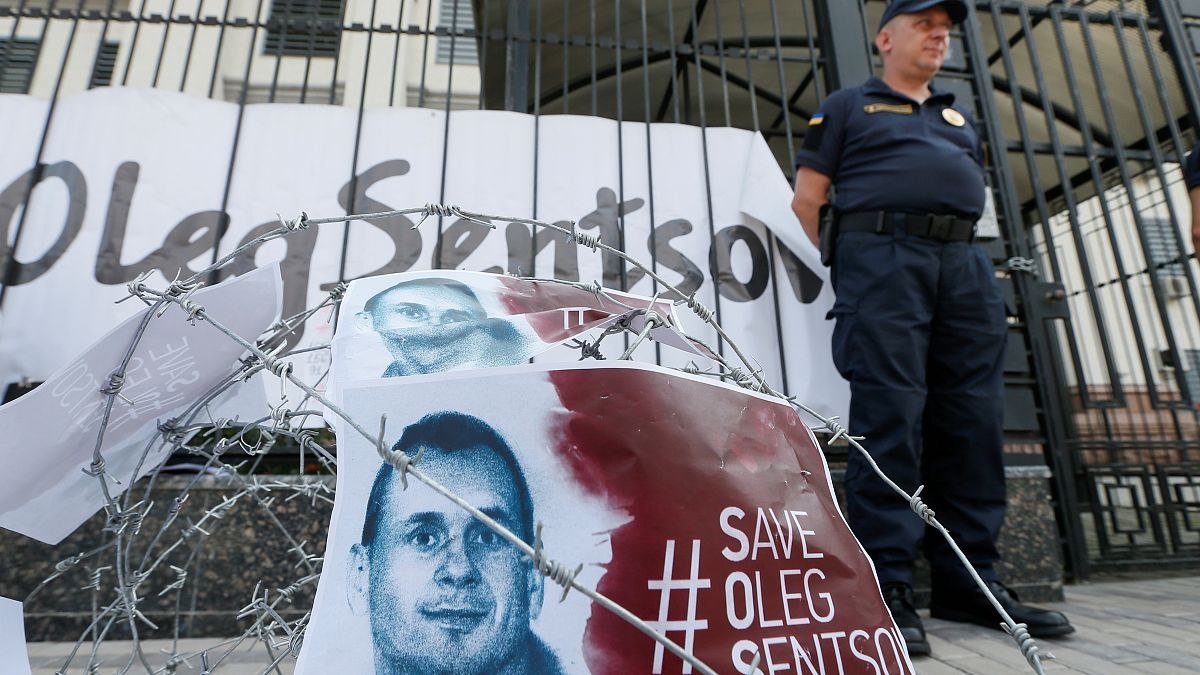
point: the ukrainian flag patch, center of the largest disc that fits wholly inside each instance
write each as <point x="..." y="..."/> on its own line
<point x="816" y="119"/>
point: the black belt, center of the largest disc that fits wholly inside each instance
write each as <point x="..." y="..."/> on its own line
<point x="945" y="228"/>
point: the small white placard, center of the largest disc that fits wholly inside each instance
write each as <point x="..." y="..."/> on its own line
<point x="14" y="657"/>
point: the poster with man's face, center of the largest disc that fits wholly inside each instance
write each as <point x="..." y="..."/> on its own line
<point x="418" y="323"/>
<point x="705" y="510"/>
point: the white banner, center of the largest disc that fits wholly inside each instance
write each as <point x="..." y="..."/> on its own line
<point x="146" y="180"/>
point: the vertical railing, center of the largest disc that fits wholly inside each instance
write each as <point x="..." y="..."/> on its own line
<point x="1099" y="117"/>
<point x="1087" y="110"/>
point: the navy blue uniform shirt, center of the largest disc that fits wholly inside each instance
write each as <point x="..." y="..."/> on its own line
<point x="885" y="152"/>
<point x="1191" y="168"/>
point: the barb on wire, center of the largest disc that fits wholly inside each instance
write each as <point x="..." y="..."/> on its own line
<point x="300" y="222"/>
<point x="553" y="570"/>
<point x="399" y="459"/>
<point x="587" y="350"/>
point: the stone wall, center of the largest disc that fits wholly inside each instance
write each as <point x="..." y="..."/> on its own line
<point x="246" y="547"/>
<point x="1031" y="561"/>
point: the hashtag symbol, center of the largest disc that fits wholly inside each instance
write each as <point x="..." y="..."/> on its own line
<point x="692" y="584"/>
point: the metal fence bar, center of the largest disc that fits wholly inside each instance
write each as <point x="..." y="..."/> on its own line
<point x="752" y="90"/>
<point x="1089" y="284"/>
<point x="439" y="246"/>
<point x="619" y="81"/>
<point x="1042" y="343"/>
<point x="352" y="183"/>
<point x="648" y="121"/>
<point x="1161" y="86"/>
<point x="537" y="136"/>
<point x="1126" y="178"/>
<point x="36" y="172"/>
<point x="1042" y="207"/>
<point x="1173" y="216"/>
<point x="1085" y="129"/>
<point x="223" y="222"/>
<point x="696" y="10"/>
<point x="133" y="42"/>
<point x="677" y="65"/>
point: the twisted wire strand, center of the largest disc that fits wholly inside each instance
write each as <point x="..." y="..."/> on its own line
<point x="745" y="375"/>
<point x="708" y="316"/>
<point x="116" y="382"/>
<point x="300" y="222"/>
<point x="698" y="308"/>
<point x="586" y="240"/>
<point x="1019" y="633"/>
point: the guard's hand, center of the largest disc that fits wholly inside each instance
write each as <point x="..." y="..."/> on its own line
<point x="812" y="188"/>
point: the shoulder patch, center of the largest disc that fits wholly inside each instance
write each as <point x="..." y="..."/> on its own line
<point x="816" y="119"/>
<point x="813" y="137"/>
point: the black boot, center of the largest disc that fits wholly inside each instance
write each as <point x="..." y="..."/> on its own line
<point x="899" y="601"/>
<point x="974" y="607"/>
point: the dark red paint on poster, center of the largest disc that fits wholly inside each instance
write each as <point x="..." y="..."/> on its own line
<point x="678" y="455"/>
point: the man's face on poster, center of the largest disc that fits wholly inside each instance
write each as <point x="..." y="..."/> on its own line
<point x="445" y="593"/>
<point x="428" y="325"/>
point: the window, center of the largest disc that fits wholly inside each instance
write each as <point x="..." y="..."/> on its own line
<point x="18" y="57"/>
<point x="285" y="93"/>
<point x="437" y="100"/>
<point x="1162" y="247"/>
<point x="1192" y="373"/>
<point x="304" y="28"/>
<point x="466" y="52"/>
<point x="106" y="63"/>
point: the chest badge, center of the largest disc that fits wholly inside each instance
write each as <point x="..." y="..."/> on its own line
<point x="953" y="117"/>
<point x="899" y="109"/>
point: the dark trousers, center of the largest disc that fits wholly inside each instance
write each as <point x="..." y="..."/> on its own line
<point x="920" y="335"/>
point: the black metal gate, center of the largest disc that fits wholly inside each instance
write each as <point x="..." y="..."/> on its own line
<point x="1088" y="107"/>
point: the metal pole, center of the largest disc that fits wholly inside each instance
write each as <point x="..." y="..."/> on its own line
<point x="1183" y="54"/>
<point x="1041" y="340"/>
<point x="516" y="85"/>
<point x="846" y="54"/>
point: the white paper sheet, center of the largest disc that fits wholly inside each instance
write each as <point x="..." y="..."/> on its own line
<point x="49" y="434"/>
<point x="14" y="657"/>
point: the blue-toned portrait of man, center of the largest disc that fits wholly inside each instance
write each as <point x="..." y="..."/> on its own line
<point x="444" y="593"/>
<point x="435" y="324"/>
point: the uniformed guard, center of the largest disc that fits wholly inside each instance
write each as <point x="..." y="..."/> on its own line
<point x="920" y="323"/>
